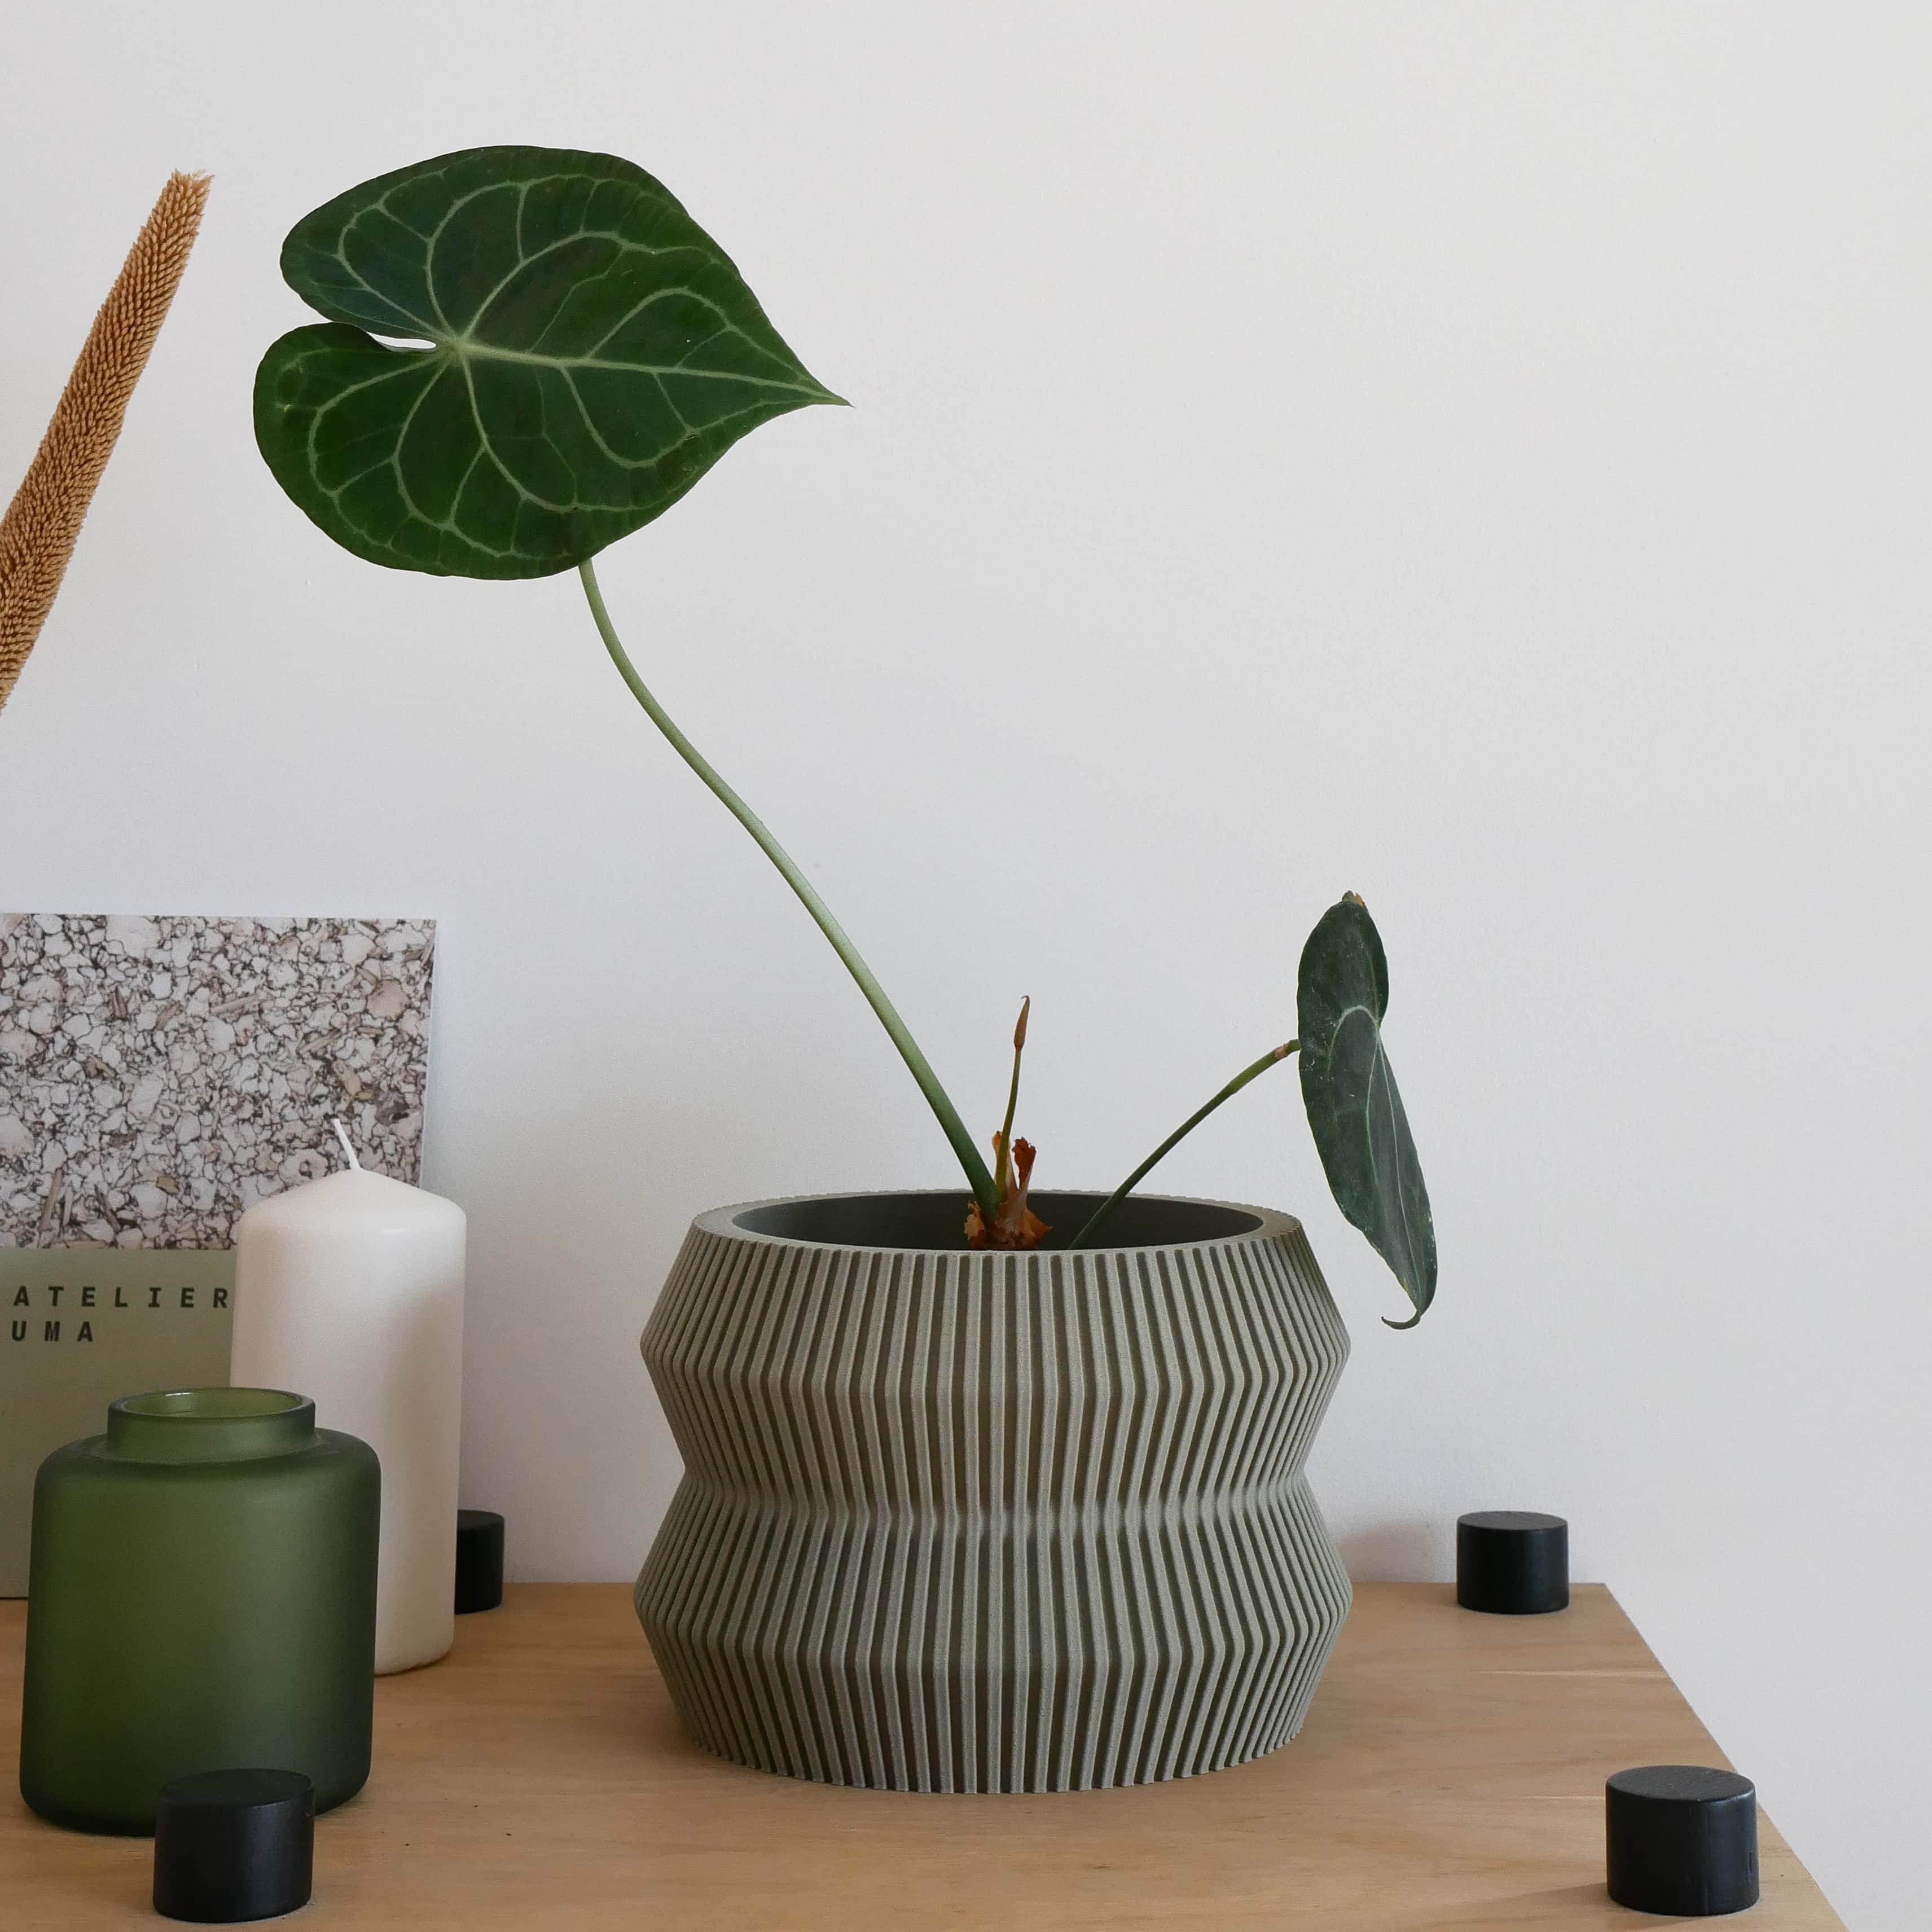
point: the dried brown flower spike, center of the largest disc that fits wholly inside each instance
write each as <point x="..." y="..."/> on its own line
<point x="37" y="535"/>
<point x="1014" y="1224"/>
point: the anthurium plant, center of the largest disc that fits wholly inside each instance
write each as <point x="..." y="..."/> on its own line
<point x="528" y="353"/>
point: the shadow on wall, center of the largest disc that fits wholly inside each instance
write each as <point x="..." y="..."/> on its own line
<point x="580" y="1178"/>
<point x="1405" y="1551"/>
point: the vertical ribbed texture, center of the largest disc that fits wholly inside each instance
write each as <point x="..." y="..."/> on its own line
<point x="992" y="1521"/>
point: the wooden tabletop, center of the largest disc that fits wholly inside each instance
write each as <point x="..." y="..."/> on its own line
<point x="1450" y="1775"/>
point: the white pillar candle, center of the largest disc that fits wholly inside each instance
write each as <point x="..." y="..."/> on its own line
<point x="349" y="1290"/>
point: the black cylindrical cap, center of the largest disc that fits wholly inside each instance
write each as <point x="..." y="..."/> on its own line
<point x="1682" y="1840"/>
<point x="1512" y="1563"/>
<point x="232" y="1845"/>
<point x="479" y="1560"/>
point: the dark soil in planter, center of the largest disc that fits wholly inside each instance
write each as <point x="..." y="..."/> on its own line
<point x="938" y="1220"/>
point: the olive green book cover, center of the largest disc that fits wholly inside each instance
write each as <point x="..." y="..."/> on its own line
<point x="85" y="1326"/>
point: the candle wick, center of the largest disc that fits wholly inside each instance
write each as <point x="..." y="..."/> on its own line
<point x="348" y="1147"/>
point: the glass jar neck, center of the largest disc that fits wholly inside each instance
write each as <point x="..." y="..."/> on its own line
<point x="209" y="1425"/>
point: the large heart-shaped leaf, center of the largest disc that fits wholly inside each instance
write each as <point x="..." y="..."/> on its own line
<point x="591" y="352"/>
<point x="1354" y="1107"/>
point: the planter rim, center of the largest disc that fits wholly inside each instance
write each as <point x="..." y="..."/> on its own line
<point x="1270" y="1224"/>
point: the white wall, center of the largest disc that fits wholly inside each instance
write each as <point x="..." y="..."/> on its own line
<point x="1474" y="454"/>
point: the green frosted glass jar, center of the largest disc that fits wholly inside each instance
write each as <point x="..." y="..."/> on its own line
<point x="201" y="1596"/>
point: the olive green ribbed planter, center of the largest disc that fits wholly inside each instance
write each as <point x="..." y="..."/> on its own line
<point x="960" y="1522"/>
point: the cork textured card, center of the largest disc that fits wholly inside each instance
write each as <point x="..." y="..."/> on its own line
<point x="158" y="1075"/>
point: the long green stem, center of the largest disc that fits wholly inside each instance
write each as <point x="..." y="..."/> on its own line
<point x="977" y="1176"/>
<point x="1175" y="1139"/>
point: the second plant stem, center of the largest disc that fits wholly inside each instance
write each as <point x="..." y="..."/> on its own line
<point x="1174" y="1140"/>
<point x="977" y="1175"/>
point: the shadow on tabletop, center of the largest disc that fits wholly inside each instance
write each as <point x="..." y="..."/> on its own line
<point x="1587" y="1904"/>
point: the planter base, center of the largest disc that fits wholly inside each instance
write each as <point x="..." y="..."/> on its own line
<point x="1141" y="1680"/>
<point x="994" y="1522"/>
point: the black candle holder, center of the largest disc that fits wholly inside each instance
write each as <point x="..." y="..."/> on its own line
<point x="1512" y="1563"/>
<point x="479" y="1561"/>
<point x="1682" y="1840"/>
<point x="234" y="1845"/>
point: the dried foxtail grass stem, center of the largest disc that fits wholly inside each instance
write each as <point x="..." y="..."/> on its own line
<point x="37" y="535"/>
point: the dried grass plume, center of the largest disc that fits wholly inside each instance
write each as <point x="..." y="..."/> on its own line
<point x="37" y="535"/>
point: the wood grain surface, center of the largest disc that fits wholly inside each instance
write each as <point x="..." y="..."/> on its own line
<point x="1450" y="1774"/>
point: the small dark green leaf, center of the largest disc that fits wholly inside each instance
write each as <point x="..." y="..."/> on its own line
<point x="1354" y="1107"/>
<point x="591" y="352"/>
